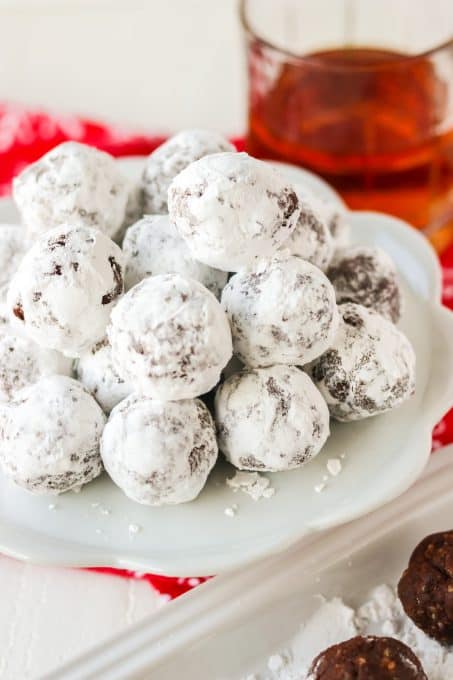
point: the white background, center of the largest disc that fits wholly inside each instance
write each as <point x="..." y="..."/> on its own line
<point x="156" y="64"/>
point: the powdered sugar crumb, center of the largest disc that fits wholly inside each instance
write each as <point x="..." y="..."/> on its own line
<point x="380" y="614"/>
<point x="320" y="487"/>
<point x="231" y="511"/>
<point x="276" y="662"/>
<point x="252" y="483"/>
<point x="334" y="466"/>
<point x="134" y="529"/>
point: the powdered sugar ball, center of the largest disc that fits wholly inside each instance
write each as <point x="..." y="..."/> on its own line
<point x="23" y="362"/>
<point x="367" y="276"/>
<point x="283" y="312"/>
<point x="232" y="209"/>
<point x="13" y="246"/>
<point x="65" y="288"/>
<point x="337" y="220"/>
<point x="270" y="419"/>
<point x="6" y="320"/>
<point x="134" y="205"/>
<point x="311" y="239"/>
<point x="153" y="246"/>
<point x="170" y="337"/>
<point x="134" y="210"/>
<point x="72" y="183"/>
<point x="96" y="372"/>
<point x="159" y="453"/>
<point x="50" y="436"/>
<point x="369" y="369"/>
<point x="173" y="156"/>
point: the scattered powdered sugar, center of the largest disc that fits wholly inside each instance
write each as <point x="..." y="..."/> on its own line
<point x="52" y="506"/>
<point x="134" y="529"/>
<point x="334" y="622"/>
<point x="334" y="466"/>
<point x="252" y="483"/>
<point x="231" y="510"/>
<point x="276" y="662"/>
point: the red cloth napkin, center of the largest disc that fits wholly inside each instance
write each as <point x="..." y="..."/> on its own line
<point x="27" y="135"/>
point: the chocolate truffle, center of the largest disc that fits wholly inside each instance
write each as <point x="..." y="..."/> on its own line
<point x="98" y="375"/>
<point x="170" y="338"/>
<point x="368" y="369"/>
<point x="270" y="419"/>
<point x="49" y="441"/>
<point x="367" y="658"/>
<point x="232" y="209"/>
<point x="282" y="312"/>
<point x="171" y="157"/>
<point x="159" y="453"/>
<point x="426" y="587"/>
<point x="23" y="362"/>
<point x="72" y="183"/>
<point x="368" y="277"/>
<point x="153" y="246"/>
<point x="65" y="288"/>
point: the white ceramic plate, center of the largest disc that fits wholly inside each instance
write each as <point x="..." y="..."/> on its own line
<point x="227" y="628"/>
<point x="384" y="456"/>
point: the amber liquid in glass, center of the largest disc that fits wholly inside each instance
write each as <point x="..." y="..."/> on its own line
<point x="373" y="133"/>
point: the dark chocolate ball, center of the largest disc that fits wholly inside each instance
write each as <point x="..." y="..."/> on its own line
<point x="367" y="658"/>
<point x="426" y="587"/>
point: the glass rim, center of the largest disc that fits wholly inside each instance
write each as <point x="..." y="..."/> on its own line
<point x="314" y="60"/>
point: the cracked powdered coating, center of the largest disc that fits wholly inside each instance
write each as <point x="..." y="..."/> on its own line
<point x="65" y="288"/>
<point x="153" y="246"/>
<point x="23" y="362"/>
<point x="72" y="183"/>
<point x="270" y="419"/>
<point x="171" y="157"/>
<point x="170" y="337"/>
<point x="369" y="369"/>
<point x="283" y="312"/>
<point x="337" y="221"/>
<point x="311" y="239"/>
<point x="50" y="436"/>
<point x="96" y="372"/>
<point x="232" y="209"/>
<point x="159" y="453"/>
<point x="368" y="277"/>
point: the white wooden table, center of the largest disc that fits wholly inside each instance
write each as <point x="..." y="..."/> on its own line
<point x="49" y="615"/>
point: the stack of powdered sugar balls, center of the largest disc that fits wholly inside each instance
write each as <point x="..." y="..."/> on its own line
<point x="228" y="278"/>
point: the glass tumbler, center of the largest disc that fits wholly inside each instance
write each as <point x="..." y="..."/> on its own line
<point x="361" y="93"/>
